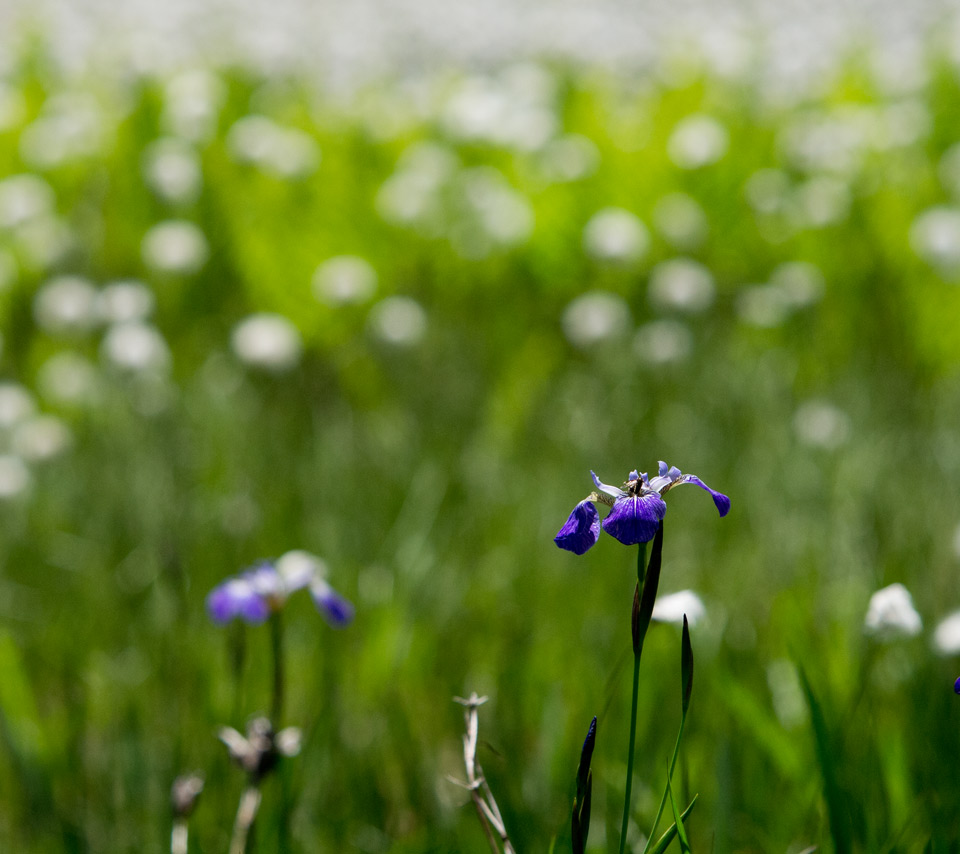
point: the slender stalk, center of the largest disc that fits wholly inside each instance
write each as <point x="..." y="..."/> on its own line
<point x="246" y="815"/>
<point x="178" y="838"/>
<point x="635" y="693"/>
<point x="630" y="751"/>
<point x="276" y="639"/>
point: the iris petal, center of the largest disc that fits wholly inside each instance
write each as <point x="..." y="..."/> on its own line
<point x="605" y="488"/>
<point x="581" y="530"/>
<point x="635" y="518"/>
<point x="337" y="610"/>
<point x="719" y="499"/>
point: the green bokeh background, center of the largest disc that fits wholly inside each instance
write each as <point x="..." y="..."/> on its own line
<point x="432" y="479"/>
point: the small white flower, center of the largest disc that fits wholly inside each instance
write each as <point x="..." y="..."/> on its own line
<point x="820" y="424"/>
<point x="891" y="614"/>
<point x="23" y="198"/>
<point x="175" y="246"/>
<point x="125" y="301"/>
<point x="16" y="404"/>
<point x="935" y="237"/>
<point x="172" y="170"/>
<point x="946" y="636"/>
<point x="594" y="317"/>
<point x="398" y="320"/>
<point x="616" y="234"/>
<point x="681" y="284"/>
<point x="681" y="220"/>
<point x="267" y="341"/>
<point x="663" y="342"/>
<point x="41" y="438"/>
<point x="136" y="346"/>
<point x="66" y="304"/>
<point x="672" y="608"/>
<point x="696" y="141"/>
<point x="14" y="476"/>
<point x="68" y="378"/>
<point x="344" y="279"/>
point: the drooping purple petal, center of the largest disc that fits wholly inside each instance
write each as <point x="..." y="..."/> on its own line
<point x="719" y="499"/>
<point x="635" y="518"/>
<point x="581" y="530"/>
<point x="236" y="597"/>
<point x="337" y="610"/>
<point x="956" y="687"/>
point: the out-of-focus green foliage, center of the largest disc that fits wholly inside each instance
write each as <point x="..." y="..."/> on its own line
<point x="429" y="449"/>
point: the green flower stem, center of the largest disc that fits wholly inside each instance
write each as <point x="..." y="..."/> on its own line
<point x="276" y="638"/>
<point x="638" y="648"/>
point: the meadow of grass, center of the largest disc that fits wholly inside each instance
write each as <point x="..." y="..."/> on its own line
<point x="772" y="304"/>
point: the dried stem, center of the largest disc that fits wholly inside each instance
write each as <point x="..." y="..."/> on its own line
<point x="483" y="800"/>
<point x="246" y="814"/>
<point x="178" y="838"/>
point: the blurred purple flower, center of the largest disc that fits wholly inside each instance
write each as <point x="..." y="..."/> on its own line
<point x="956" y="687"/>
<point x="261" y="590"/>
<point x="636" y="510"/>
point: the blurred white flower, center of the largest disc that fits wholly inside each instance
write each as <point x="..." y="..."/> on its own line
<point x="696" y="141"/>
<point x="411" y="195"/>
<point x="66" y="304"/>
<point x="135" y="346"/>
<point x="124" y="301"/>
<point x="946" y="636"/>
<point x="16" y="404"/>
<point x="763" y="306"/>
<point x="672" y="608"/>
<point x="800" y="282"/>
<point x="767" y="190"/>
<point x="175" y="246"/>
<point x="569" y="158"/>
<point x="595" y="317"/>
<point x="172" y="170"/>
<point x="68" y="379"/>
<point x="935" y="237"/>
<point x="504" y="216"/>
<point x="14" y="476"/>
<point x="513" y="111"/>
<point x="891" y="615"/>
<point x="663" y="342"/>
<point x="681" y="284"/>
<point x="616" y="234"/>
<point x="43" y="242"/>
<point x="681" y="220"/>
<point x="281" y="151"/>
<point x="23" y="198"/>
<point x="344" y="279"/>
<point x="70" y="127"/>
<point x="268" y="341"/>
<point x="823" y="200"/>
<point x="41" y="438"/>
<point x="820" y="424"/>
<point x="398" y="320"/>
<point x="191" y="106"/>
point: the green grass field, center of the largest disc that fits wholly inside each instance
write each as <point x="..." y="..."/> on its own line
<point x="772" y="304"/>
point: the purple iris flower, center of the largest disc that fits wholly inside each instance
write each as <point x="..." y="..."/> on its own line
<point x="636" y="510"/>
<point x="261" y="590"/>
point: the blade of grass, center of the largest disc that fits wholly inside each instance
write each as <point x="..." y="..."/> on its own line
<point x="678" y="821"/>
<point x="668" y="835"/>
